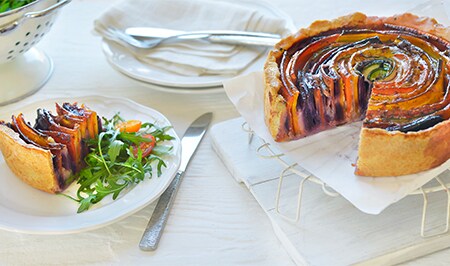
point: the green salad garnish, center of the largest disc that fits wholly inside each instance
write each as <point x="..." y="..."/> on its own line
<point x="119" y="158"/>
<point x="6" y="5"/>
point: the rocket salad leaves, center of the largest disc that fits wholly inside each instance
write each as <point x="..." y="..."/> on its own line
<point x="117" y="161"/>
<point x="6" y="5"/>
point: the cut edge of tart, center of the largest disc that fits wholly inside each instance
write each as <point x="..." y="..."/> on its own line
<point x="31" y="164"/>
<point x="381" y="152"/>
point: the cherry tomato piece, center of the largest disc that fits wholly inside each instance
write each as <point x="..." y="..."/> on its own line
<point x="146" y="147"/>
<point x="129" y="126"/>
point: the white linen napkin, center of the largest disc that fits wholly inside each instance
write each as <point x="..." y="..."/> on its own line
<point x="193" y="58"/>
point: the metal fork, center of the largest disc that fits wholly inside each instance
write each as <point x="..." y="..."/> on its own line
<point x="118" y="36"/>
<point x="128" y="40"/>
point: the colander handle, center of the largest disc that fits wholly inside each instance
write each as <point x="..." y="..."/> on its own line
<point x="11" y="26"/>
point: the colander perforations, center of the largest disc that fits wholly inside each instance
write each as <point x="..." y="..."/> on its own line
<point x="24" y="40"/>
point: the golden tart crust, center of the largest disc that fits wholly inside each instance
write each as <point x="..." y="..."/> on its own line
<point x="381" y="152"/>
<point x="30" y="163"/>
<point x="394" y="153"/>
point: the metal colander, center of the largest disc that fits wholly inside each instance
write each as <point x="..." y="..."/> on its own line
<point x="22" y="28"/>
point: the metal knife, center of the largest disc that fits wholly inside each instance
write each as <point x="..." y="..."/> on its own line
<point x="189" y="143"/>
<point x="214" y="36"/>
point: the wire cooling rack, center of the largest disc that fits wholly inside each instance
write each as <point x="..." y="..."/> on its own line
<point x="267" y="152"/>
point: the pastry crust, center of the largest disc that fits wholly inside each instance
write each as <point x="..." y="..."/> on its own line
<point x="393" y="153"/>
<point x="381" y="152"/>
<point x="276" y="112"/>
<point x="30" y="163"/>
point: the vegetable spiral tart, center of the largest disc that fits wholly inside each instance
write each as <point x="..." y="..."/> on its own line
<point x="391" y="72"/>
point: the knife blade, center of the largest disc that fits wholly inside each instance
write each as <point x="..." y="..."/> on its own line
<point x="189" y="143"/>
<point x="214" y="36"/>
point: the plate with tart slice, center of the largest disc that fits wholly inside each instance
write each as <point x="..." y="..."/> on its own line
<point x="27" y="209"/>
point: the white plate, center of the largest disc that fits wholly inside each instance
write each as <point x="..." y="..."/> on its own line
<point x="123" y="61"/>
<point x="28" y="210"/>
<point x="178" y="90"/>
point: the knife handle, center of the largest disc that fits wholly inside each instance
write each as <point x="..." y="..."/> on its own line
<point x="244" y="40"/>
<point x="155" y="226"/>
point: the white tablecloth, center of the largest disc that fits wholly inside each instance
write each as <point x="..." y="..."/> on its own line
<point x="214" y="220"/>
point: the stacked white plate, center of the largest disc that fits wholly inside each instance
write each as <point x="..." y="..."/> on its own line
<point x="123" y="60"/>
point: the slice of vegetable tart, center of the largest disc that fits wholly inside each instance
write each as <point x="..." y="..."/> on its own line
<point x="48" y="154"/>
